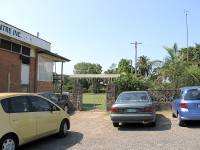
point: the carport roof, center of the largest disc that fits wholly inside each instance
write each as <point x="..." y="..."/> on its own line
<point x="104" y="76"/>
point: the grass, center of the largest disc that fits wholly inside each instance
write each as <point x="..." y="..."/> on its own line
<point x="94" y="101"/>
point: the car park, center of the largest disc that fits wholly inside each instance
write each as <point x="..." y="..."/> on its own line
<point x="186" y="105"/>
<point x="63" y="101"/>
<point x="133" y="107"/>
<point x="28" y="117"/>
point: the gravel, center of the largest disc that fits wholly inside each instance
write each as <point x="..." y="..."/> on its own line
<point x="94" y="131"/>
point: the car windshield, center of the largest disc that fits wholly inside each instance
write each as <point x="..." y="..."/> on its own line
<point x="193" y="94"/>
<point x="135" y="96"/>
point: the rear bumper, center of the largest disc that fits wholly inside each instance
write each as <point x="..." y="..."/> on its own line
<point x="186" y="115"/>
<point x="189" y="116"/>
<point x="133" y="118"/>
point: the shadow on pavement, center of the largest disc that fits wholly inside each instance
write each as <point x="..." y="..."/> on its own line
<point x="55" y="143"/>
<point x="162" y="123"/>
<point x="89" y="107"/>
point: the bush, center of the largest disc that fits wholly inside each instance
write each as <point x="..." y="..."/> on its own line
<point x="130" y="82"/>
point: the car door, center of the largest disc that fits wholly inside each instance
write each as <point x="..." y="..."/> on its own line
<point x="47" y="120"/>
<point x="21" y="119"/>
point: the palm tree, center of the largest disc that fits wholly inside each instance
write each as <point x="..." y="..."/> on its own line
<point x="173" y="66"/>
<point x="147" y="67"/>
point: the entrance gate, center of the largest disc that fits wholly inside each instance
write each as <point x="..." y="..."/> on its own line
<point x="93" y="102"/>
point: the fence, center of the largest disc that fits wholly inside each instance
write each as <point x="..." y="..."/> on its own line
<point x="162" y="98"/>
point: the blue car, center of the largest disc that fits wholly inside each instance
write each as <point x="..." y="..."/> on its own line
<point x="186" y="105"/>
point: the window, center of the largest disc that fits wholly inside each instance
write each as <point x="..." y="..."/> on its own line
<point x="16" y="48"/>
<point x="193" y="94"/>
<point x="5" y="106"/>
<point x="26" y="50"/>
<point x="5" y="44"/>
<point x="45" y="69"/>
<point x="133" y="96"/>
<point x="39" y="104"/>
<point x="25" y="60"/>
<point x="19" y="104"/>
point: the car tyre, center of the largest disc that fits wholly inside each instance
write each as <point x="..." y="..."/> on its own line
<point x="116" y="124"/>
<point x="8" y="142"/>
<point x="181" y="123"/>
<point x="63" y="129"/>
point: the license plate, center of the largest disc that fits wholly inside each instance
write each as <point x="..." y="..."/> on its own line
<point x="130" y="110"/>
<point x="198" y="105"/>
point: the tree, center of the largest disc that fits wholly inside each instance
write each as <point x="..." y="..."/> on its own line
<point x="112" y="69"/>
<point x="87" y="68"/>
<point x="144" y="65"/>
<point x="193" y="54"/>
<point x="174" y="67"/>
<point x="131" y="82"/>
<point x="124" y="66"/>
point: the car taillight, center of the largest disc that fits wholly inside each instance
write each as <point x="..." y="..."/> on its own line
<point x="184" y="104"/>
<point x="148" y="109"/>
<point x="115" y="109"/>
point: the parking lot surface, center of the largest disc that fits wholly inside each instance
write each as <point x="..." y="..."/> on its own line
<point x="94" y="131"/>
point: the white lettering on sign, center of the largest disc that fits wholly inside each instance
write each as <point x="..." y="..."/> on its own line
<point x="23" y="36"/>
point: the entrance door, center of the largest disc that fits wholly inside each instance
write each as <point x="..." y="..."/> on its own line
<point x="25" y="69"/>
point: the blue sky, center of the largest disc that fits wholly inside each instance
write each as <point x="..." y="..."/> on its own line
<point x="100" y="31"/>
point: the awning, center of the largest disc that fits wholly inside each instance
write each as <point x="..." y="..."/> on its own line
<point x="55" y="57"/>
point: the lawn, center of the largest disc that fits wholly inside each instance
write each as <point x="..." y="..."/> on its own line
<point x="94" y="101"/>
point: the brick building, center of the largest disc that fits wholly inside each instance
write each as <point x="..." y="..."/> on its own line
<point x="26" y="61"/>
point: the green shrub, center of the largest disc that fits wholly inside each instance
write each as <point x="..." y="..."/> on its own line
<point x="130" y="82"/>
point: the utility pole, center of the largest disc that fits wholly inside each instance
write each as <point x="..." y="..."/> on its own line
<point x="136" y="45"/>
<point x="186" y="21"/>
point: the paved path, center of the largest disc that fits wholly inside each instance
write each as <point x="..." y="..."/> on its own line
<point x="94" y="131"/>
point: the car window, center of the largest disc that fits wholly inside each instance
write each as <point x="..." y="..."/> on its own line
<point x="19" y="104"/>
<point x="5" y="106"/>
<point x="135" y="96"/>
<point x="39" y="104"/>
<point x="193" y="94"/>
<point x="53" y="98"/>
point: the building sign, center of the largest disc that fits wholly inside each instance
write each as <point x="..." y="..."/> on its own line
<point x="23" y="36"/>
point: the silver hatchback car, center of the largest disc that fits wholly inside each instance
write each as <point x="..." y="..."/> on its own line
<point x="133" y="107"/>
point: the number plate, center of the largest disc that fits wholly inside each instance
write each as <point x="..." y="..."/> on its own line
<point x="130" y="110"/>
<point x="198" y="105"/>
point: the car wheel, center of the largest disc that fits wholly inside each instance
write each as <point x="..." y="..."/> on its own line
<point x="181" y="123"/>
<point x="63" y="129"/>
<point x="8" y="143"/>
<point x="66" y="109"/>
<point x="115" y="124"/>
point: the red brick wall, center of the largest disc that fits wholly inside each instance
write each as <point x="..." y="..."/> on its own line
<point x="33" y="75"/>
<point x="43" y="86"/>
<point x="10" y="62"/>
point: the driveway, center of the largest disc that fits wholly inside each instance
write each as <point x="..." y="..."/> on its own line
<point x="94" y="131"/>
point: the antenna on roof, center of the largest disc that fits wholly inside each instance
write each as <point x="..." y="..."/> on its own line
<point x="38" y="34"/>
